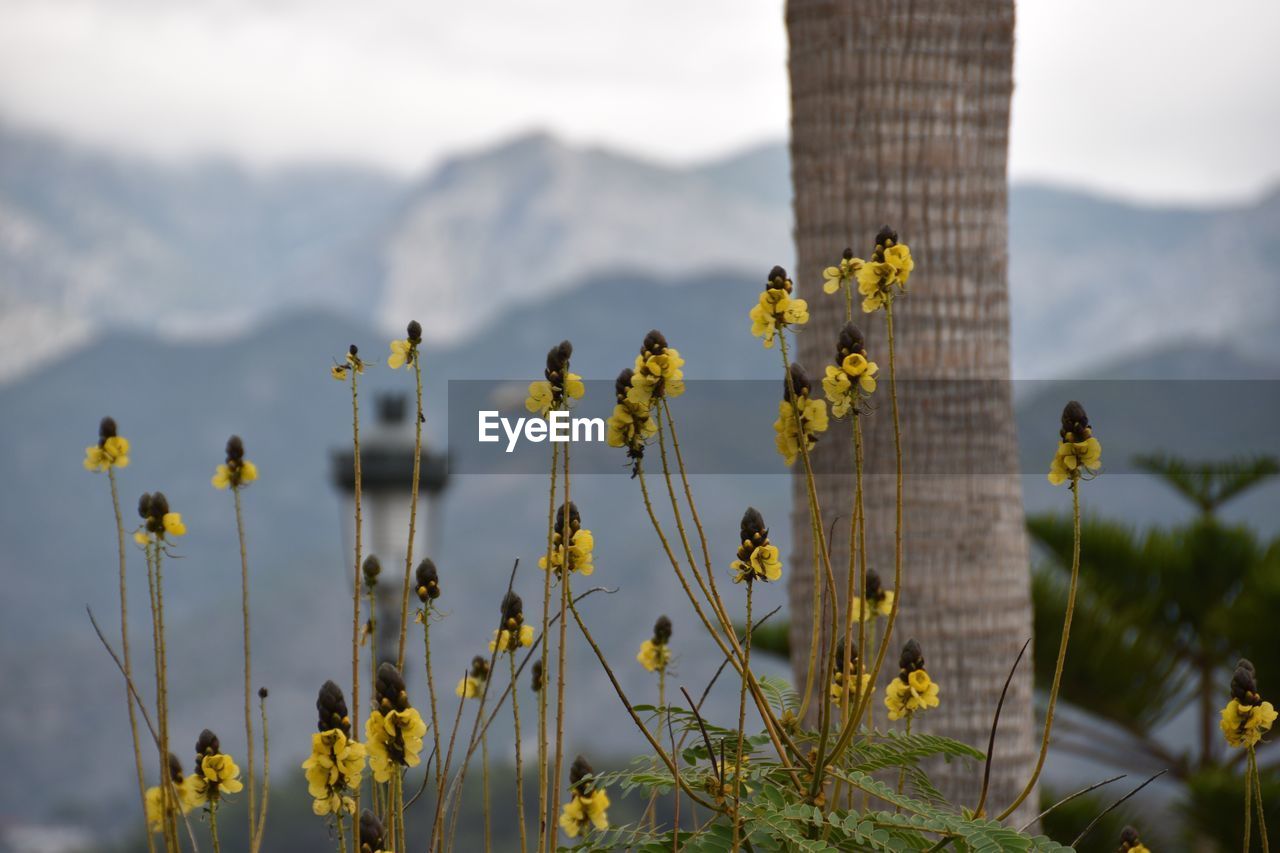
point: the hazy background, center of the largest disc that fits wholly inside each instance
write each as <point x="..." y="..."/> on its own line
<point x="202" y="204"/>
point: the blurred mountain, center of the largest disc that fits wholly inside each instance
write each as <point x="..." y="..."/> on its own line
<point x="92" y="242"/>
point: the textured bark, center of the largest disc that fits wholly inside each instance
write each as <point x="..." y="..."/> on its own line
<point x="900" y="116"/>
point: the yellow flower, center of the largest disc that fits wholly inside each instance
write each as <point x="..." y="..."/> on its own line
<point x="394" y="740"/>
<point x="870" y="607"/>
<point x="236" y="471"/>
<point x="338" y="372"/>
<point x="838" y="680"/>
<point x="141" y="538"/>
<point x="155" y="799"/>
<point x="653" y="657"/>
<point x="353" y="363"/>
<point x="657" y="374"/>
<point x="776" y="309"/>
<point x="1244" y="725"/>
<point x="837" y="277"/>
<point x="218" y="775"/>
<point x="469" y="687"/>
<point x="334" y="767"/>
<point x="402" y="353"/>
<point x="173" y="524"/>
<point x="904" y="697"/>
<point x="852" y="376"/>
<point x="503" y="639"/>
<point x="812" y="419"/>
<point x="890" y="265"/>
<point x="757" y="557"/>
<point x="1079" y="453"/>
<point x="580" y="811"/>
<point x="112" y="452"/>
<point x="579" y="553"/>
<point x="560" y="387"/>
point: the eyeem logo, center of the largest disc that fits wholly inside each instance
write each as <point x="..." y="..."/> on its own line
<point x="559" y="426"/>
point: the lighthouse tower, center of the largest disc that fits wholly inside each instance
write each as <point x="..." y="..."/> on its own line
<point x="386" y="468"/>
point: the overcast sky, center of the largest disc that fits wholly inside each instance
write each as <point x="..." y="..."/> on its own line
<point x="1150" y="99"/>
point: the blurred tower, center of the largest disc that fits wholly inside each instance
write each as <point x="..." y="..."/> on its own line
<point x="386" y="474"/>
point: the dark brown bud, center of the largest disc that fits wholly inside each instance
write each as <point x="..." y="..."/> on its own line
<point x="558" y="360"/>
<point x="159" y="505"/>
<point x="389" y="688"/>
<point x="662" y="631"/>
<point x="175" y="769"/>
<point x="414" y="332"/>
<point x="911" y="658"/>
<point x="263" y="693"/>
<point x="874" y="589"/>
<point x="235" y="449"/>
<point x="1075" y="423"/>
<point x="575" y="519"/>
<point x="512" y="610"/>
<point x="206" y="744"/>
<point x="848" y="254"/>
<point x="655" y="343"/>
<point x="798" y="382"/>
<point x="1129" y="839"/>
<point x="371" y="569"/>
<point x="622" y="384"/>
<point x="428" y="580"/>
<point x="144" y="505"/>
<point x="479" y="668"/>
<point x="886" y="237"/>
<point x="332" y="708"/>
<point x="371" y="833"/>
<point x="353" y="350"/>
<point x="752" y="528"/>
<point x="581" y="776"/>
<point x="106" y="429"/>
<point x="777" y="278"/>
<point x="536" y="676"/>
<point x="1244" y="684"/>
<point x="851" y="341"/>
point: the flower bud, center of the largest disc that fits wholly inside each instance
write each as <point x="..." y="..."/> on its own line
<point x="235" y="449"/>
<point x="622" y="384"/>
<point x="581" y="776"/>
<point x="662" y="631"/>
<point x="912" y="658"/>
<point x="206" y="744"/>
<point x="428" y="581"/>
<point x="851" y="341"/>
<point x="371" y="833"/>
<point x="536" y="676"/>
<point x="414" y="332"/>
<point x="389" y="689"/>
<point x="798" y="381"/>
<point x="332" y="708"/>
<point x="106" y="429"/>
<point x="752" y="528"/>
<point x="655" y="343"/>
<point x="1075" y="423"/>
<point x="371" y="569"/>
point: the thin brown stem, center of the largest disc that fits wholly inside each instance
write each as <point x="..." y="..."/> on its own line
<point x="545" y="652"/>
<point x="266" y="774"/>
<point x="355" y="596"/>
<point x="515" y="716"/>
<point x="413" y="511"/>
<point x="738" y="769"/>
<point x="248" y="657"/>
<point x="124" y="650"/>
<point x="566" y="535"/>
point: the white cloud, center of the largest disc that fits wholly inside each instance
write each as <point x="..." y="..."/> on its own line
<point x="1155" y="99"/>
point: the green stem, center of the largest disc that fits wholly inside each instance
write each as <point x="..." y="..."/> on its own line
<point x="248" y="657"/>
<point x="355" y="597"/>
<point x="1062" y="651"/>
<point x="515" y="715"/>
<point x="413" y="512"/>
<point x="742" y="723"/>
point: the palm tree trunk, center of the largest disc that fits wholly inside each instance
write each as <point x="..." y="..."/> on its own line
<point x="900" y="116"/>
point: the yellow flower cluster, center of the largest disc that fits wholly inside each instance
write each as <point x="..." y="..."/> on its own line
<point x="588" y="805"/>
<point x="877" y="602"/>
<point x="577" y="554"/>
<point x="218" y="775"/>
<point x="631" y="423"/>
<point x="158" y="521"/>
<point x="843" y="274"/>
<point x="1079" y="453"/>
<point x="111" y="451"/>
<point x="757" y="557"/>
<point x="913" y="690"/>
<point x="653" y="657"/>
<point x="236" y="471"/>
<point x="1131" y="843"/>
<point x="776" y="309"/>
<point x="471" y="686"/>
<point x="161" y="801"/>
<point x="1247" y="717"/>
<point x="657" y="373"/>
<point x="334" y="768"/>
<point x="890" y="266"/>
<point x="560" y="386"/>
<point x="798" y="415"/>
<point x="513" y="633"/>
<point x="851" y="376"/>
<point x="842" y="686"/>
<point x="405" y="350"/>
<point x="393" y="733"/>
<point x="353" y="364"/>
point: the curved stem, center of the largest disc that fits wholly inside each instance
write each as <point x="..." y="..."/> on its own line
<point x="1062" y="652"/>
<point x="545" y="653"/>
<point x="266" y="775"/>
<point x="484" y="789"/>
